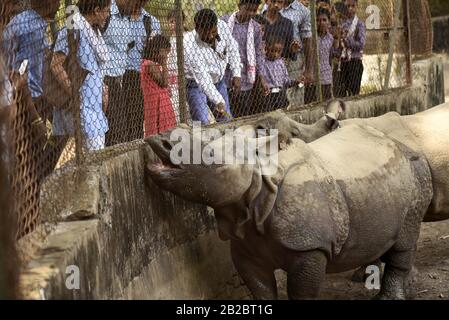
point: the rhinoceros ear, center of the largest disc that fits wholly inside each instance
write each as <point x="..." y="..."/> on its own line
<point x="332" y="122"/>
<point x="261" y="197"/>
<point x="337" y="107"/>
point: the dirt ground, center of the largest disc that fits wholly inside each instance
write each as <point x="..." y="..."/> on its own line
<point x="432" y="280"/>
<point x="432" y="262"/>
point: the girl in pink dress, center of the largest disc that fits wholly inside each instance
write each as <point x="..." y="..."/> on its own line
<point x="158" y="108"/>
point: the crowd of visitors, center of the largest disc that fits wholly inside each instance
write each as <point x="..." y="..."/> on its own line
<point x="257" y="59"/>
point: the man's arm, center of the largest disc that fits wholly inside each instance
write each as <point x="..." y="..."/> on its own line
<point x="290" y="51"/>
<point x="260" y="59"/>
<point x="61" y="51"/>
<point x="357" y="42"/>
<point x="260" y="56"/>
<point x="202" y="76"/>
<point x="305" y="32"/>
<point x="156" y="25"/>
<point x="233" y="51"/>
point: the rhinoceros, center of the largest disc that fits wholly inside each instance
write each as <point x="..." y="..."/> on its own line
<point x="426" y="132"/>
<point x="319" y="213"/>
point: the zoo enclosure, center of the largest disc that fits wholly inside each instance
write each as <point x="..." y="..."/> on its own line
<point x="37" y="153"/>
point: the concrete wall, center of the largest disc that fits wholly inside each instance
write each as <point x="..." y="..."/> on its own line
<point x="131" y="240"/>
<point x="134" y="241"/>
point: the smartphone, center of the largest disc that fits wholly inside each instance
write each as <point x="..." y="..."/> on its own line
<point x="23" y="67"/>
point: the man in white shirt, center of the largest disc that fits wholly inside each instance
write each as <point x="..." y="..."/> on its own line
<point x="208" y="50"/>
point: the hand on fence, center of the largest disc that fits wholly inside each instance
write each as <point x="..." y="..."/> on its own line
<point x="300" y="81"/>
<point x="295" y="46"/>
<point x="265" y="87"/>
<point x="236" y="84"/>
<point x="308" y="78"/>
<point x="105" y="98"/>
<point x="19" y="81"/>
<point x="221" y="108"/>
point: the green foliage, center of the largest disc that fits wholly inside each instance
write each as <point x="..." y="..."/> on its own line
<point x="160" y="9"/>
<point x="439" y="7"/>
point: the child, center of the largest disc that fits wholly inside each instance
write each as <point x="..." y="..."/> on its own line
<point x="276" y="75"/>
<point x="92" y="54"/>
<point x="326" y="52"/>
<point x="158" y="108"/>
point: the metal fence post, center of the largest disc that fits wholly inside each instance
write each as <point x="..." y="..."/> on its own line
<point x="408" y="42"/>
<point x="319" y="93"/>
<point x="392" y="44"/>
<point x="180" y="54"/>
<point x="76" y="78"/>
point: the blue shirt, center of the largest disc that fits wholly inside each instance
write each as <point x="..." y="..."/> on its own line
<point x="125" y="40"/>
<point x="24" y="38"/>
<point x="139" y="35"/>
<point x="117" y="37"/>
<point x="93" y="119"/>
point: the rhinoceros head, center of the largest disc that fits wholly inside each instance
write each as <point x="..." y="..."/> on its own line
<point x="187" y="168"/>
<point x="289" y="126"/>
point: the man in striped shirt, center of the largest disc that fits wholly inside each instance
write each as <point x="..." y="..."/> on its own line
<point x="208" y="50"/>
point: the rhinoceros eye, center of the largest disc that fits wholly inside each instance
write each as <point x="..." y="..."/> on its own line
<point x="296" y="133"/>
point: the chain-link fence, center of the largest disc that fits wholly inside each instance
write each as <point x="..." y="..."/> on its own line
<point x="90" y="74"/>
<point x="421" y="28"/>
<point x="8" y="224"/>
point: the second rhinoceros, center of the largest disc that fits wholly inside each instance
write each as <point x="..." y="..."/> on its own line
<point x="320" y="212"/>
<point x="425" y="132"/>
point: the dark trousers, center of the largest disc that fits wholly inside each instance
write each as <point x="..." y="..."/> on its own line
<point x="275" y="101"/>
<point x="241" y="103"/>
<point x="310" y="94"/>
<point x="349" y="79"/>
<point x="125" y="111"/>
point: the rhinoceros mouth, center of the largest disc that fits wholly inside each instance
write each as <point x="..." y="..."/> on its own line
<point x="161" y="168"/>
<point x="162" y="148"/>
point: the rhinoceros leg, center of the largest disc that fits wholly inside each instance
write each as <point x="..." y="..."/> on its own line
<point x="397" y="267"/>
<point x="257" y="276"/>
<point x="400" y="258"/>
<point x="305" y="275"/>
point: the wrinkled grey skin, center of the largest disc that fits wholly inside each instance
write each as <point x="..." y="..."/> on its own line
<point x="289" y="129"/>
<point x="419" y="132"/>
<point x="313" y="216"/>
<point x="422" y="132"/>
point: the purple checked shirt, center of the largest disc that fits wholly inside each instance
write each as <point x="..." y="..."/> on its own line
<point x="325" y="45"/>
<point x="240" y="34"/>
<point x="276" y="74"/>
<point x="357" y="42"/>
